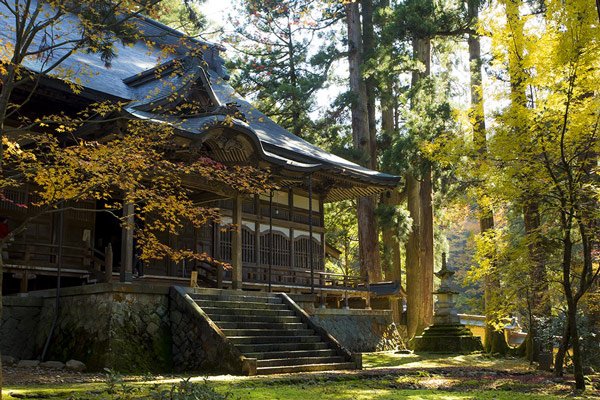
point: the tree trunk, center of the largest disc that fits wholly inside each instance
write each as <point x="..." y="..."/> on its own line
<point x="559" y="360"/>
<point x="413" y="266"/>
<point x="419" y="249"/>
<point x="426" y="250"/>
<point x="392" y="265"/>
<point x="367" y="224"/>
<point x="577" y="362"/>
<point x="369" y="47"/>
<point x="494" y="339"/>
<point x="390" y="240"/>
<point x="539" y="286"/>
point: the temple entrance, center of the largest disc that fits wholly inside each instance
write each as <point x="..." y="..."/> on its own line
<point x="108" y="230"/>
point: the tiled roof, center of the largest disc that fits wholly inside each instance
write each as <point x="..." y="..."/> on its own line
<point x="132" y="60"/>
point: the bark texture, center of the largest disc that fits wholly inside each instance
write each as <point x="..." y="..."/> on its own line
<point x="368" y="37"/>
<point x="367" y="223"/>
<point x="494" y="339"/>
<point x="419" y="248"/>
<point x="413" y="265"/>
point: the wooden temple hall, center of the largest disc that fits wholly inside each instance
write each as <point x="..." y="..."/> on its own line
<point x="281" y="244"/>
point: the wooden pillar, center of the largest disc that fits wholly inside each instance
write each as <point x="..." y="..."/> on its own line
<point x="258" y="271"/>
<point x="323" y="252"/>
<point x="236" y="244"/>
<point x="310" y="234"/>
<point x="24" y="287"/>
<point x="270" y="276"/>
<point x="127" y="244"/>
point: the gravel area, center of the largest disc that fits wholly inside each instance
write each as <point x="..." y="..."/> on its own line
<point x="14" y="376"/>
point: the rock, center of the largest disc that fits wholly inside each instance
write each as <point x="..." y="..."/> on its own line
<point x="75" y="365"/>
<point x="28" y="364"/>
<point x="9" y="361"/>
<point x="52" y="364"/>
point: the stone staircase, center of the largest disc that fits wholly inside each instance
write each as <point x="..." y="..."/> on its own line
<point x="273" y="330"/>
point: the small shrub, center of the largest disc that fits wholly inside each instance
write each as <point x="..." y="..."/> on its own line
<point x="187" y="390"/>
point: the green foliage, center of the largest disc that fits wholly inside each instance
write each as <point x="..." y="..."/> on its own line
<point x="285" y="50"/>
<point x="118" y="389"/>
<point x="188" y="390"/>
<point x="185" y="15"/>
<point x="342" y="234"/>
<point x="396" y="218"/>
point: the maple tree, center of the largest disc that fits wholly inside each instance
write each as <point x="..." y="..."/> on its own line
<point x="130" y="161"/>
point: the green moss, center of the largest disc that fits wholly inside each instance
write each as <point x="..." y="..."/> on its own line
<point x="301" y="391"/>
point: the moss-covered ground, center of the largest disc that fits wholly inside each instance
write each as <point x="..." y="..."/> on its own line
<point x="385" y="376"/>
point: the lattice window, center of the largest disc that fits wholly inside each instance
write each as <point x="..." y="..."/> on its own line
<point x="79" y="212"/>
<point x="248" y="245"/>
<point x="280" y="249"/>
<point x="302" y="253"/>
<point x="225" y="245"/>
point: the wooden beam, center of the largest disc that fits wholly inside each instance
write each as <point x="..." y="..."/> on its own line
<point x="276" y="222"/>
<point x="205" y="197"/>
<point x="236" y="244"/>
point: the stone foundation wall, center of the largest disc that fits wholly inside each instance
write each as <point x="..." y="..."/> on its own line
<point x="20" y="317"/>
<point x="198" y="344"/>
<point x="134" y="328"/>
<point x="360" y="330"/>
<point x="117" y="326"/>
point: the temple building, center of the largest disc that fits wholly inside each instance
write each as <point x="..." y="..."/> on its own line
<point x="280" y="246"/>
<point x="283" y="230"/>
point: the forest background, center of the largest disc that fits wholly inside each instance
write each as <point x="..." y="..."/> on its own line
<point x="489" y="110"/>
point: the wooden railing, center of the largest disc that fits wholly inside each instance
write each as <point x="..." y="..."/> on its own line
<point x="299" y="277"/>
<point x="46" y="255"/>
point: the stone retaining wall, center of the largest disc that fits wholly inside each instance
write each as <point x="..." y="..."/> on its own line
<point x="117" y="326"/>
<point x="198" y="344"/>
<point x="134" y="328"/>
<point x="360" y="330"/>
<point x="20" y="317"/>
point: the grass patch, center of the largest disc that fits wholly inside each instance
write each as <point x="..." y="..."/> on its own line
<point x="390" y="359"/>
<point x="387" y="375"/>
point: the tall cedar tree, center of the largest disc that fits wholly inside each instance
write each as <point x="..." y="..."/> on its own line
<point x="494" y="338"/>
<point x="367" y="223"/>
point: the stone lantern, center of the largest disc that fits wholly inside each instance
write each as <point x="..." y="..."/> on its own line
<point x="447" y="334"/>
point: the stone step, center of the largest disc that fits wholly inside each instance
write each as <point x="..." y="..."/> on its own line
<point x="273" y="339"/>
<point x="248" y="311"/>
<point x="279" y="319"/>
<point x="272" y="299"/>
<point x="268" y="332"/>
<point x="240" y="304"/>
<point x="267" y="355"/>
<point x="287" y="326"/>
<point x="263" y="347"/>
<point x="304" y="368"/>
<point x="278" y="362"/>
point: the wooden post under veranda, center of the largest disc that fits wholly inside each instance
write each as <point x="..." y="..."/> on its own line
<point x="236" y="244"/>
<point x="126" y="272"/>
